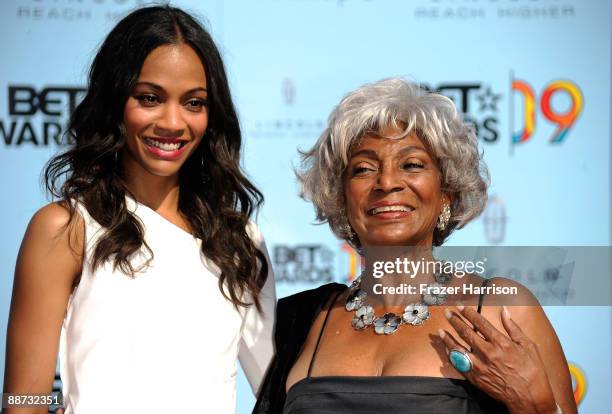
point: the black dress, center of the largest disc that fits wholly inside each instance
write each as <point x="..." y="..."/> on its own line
<point x="353" y="394"/>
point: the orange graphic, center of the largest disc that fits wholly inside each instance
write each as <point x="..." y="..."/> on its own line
<point x="578" y="382"/>
<point x="529" y="117"/>
<point x="353" y="262"/>
<point x="563" y="120"/>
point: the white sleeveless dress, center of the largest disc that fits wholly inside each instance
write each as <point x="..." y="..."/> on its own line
<point x="164" y="341"/>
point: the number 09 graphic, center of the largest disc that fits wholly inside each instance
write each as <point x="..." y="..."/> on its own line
<point x="578" y="382"/>
<point x="564" y="121"/>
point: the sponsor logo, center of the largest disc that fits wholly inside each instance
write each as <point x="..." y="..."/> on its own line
<point x="72" y="10"/>
<point x="288" y="92"/>
<point x="37" y="117"/>
<point x="310" y="263"/>
<point x="495" y="220"/>
<point x="289" y="122"/>
<point x="444" y="10"/>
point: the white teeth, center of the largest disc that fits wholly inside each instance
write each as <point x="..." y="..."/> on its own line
<point x="163" y="145"/>
<point x="390" y="208"/>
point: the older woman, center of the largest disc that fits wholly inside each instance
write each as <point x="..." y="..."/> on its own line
<point x="397" y="167"/>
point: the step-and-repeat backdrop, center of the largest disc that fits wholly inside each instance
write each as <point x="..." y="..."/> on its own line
<point x="532" y="75"/>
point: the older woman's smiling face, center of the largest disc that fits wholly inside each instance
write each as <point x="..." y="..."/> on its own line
<point x="392" y="191"/>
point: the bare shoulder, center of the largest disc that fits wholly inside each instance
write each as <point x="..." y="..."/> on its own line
<point x="522" y="305"/>
<point x="52" y="231"/>
<point x="512" y="293"/>
<point x="496" y="291"/>
<point x="48" y="266"/>
<point x="501" y="291"/>
<point x="53" y="218"/>
<point x="54" y="221"/>
<point x="525" y="310"/>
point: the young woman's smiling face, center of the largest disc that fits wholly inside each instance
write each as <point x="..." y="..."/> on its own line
<point x="392" y="191"/>
<point x="166" y="114"/>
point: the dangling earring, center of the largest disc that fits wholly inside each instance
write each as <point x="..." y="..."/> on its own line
<point x="444" y="217"/>
<point x="349" y="232"/>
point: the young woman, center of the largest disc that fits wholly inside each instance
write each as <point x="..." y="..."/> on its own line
<point x="147" y="274"/>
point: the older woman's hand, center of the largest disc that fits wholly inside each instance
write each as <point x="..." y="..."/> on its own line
<point x="506" y="367"/>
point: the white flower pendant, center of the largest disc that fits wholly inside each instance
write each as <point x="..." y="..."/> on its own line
<point x="415" y="313"/>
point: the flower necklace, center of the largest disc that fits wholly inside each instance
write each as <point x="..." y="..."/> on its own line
<point x="414" y="313"/>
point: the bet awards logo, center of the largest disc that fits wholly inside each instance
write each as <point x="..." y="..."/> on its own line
<point x="303" y="263"/>
<point x="478" y="103"/>
<point x="36" y="116"/>
<point x="559" y="103"/>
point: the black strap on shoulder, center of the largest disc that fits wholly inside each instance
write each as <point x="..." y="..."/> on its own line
<point x="314" y="354"/>
<point x="481" y="298"/>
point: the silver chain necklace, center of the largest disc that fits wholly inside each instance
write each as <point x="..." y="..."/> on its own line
<point x="414" y="313"/>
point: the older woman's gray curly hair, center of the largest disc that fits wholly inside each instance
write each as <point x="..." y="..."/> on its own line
<point x="405" y="107"/>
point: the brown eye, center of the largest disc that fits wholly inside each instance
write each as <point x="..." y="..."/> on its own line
<point x="147" y="99"/>
<point x="196" y="104"/>
<point x="360" y="170"/>
<point x="412" y="165"/>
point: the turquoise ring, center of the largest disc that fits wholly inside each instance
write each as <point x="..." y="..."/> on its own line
<point x="460" y="360"/>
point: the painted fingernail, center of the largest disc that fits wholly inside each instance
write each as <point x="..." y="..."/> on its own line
<point x="460" y="307"/>
<point x="506" y="312"/>
<point x="448" y="314"/>
<point x="441" y="333"/>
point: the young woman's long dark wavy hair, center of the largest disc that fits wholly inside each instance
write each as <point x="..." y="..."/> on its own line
<point x="215" y="198"/>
